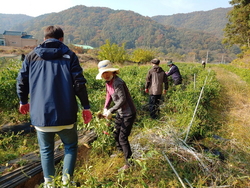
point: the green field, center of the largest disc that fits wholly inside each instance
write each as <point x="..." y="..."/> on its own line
<point x="189" y="145"/>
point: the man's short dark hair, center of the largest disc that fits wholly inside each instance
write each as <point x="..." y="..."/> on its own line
<point x="53" y="32"/>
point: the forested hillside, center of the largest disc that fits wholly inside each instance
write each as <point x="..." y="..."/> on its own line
<point x="213" y="21"/>
<point x="94" y="25"/>
<point x="7" y="21"/>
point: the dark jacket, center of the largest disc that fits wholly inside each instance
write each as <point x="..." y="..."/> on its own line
<point x="155" y="79"/>
<point x="174" y="72"/>
<point x="52" y="77"/>
<point x="120" y="95"/>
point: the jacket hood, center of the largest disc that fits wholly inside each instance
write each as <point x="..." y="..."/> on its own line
<point x="157" y="69"/>
<point x="51" y="49"/>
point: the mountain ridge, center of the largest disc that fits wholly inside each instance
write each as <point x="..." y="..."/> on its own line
<point x="212" y="21"/>
<point x="94" y="25"/>
<point x="179" y="20"/>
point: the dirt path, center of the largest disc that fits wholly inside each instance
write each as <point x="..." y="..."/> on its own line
<point x="235" y="106"/>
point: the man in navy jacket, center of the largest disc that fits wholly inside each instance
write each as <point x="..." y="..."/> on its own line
<point x="175" y="73"/>
<point x="51" y="77"/>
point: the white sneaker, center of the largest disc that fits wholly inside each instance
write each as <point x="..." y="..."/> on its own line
<point x="113" y="155"/>
<point x="72" y="183"/>
<point x="48" y="185"/>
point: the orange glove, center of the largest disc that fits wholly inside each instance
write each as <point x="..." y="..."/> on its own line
<point x="24" y="108"/>
<point x="87" y="116"/>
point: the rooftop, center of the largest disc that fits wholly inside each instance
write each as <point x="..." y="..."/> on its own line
<point x="27" y="37"/>
<point x="84" y="46"/>
<point x="15" y="33"/>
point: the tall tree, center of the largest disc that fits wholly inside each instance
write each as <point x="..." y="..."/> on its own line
<point x="113" y="52"/>
<point x="140" y="55"/>
<point x="237" y="30"/>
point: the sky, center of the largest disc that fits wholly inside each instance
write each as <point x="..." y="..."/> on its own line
<point x="144" y="7"/>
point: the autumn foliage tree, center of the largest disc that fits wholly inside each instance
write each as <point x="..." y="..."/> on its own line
<point x="140" y="55"/>
<point x="237" y="30"/>
<point x="113" y="52"/>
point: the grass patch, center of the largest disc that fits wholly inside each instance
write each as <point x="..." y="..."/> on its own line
<point x="216" y="152"/>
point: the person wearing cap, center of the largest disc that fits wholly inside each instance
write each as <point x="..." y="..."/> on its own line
<point x="155" y="80"/>
<point x="174" y="72"/>
<point x="203" y="63"/>
<point x="118" y="92"/>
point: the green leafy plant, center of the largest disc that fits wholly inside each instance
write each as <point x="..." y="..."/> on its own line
<point x="112" y="52"/>
<point x="140" y="55"/>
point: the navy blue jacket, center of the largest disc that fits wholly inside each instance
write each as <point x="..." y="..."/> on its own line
<point x="175" y="72"/>
<point x="51" y="77"/>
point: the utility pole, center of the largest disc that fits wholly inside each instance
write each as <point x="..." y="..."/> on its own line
<point x="207" y="57"/>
